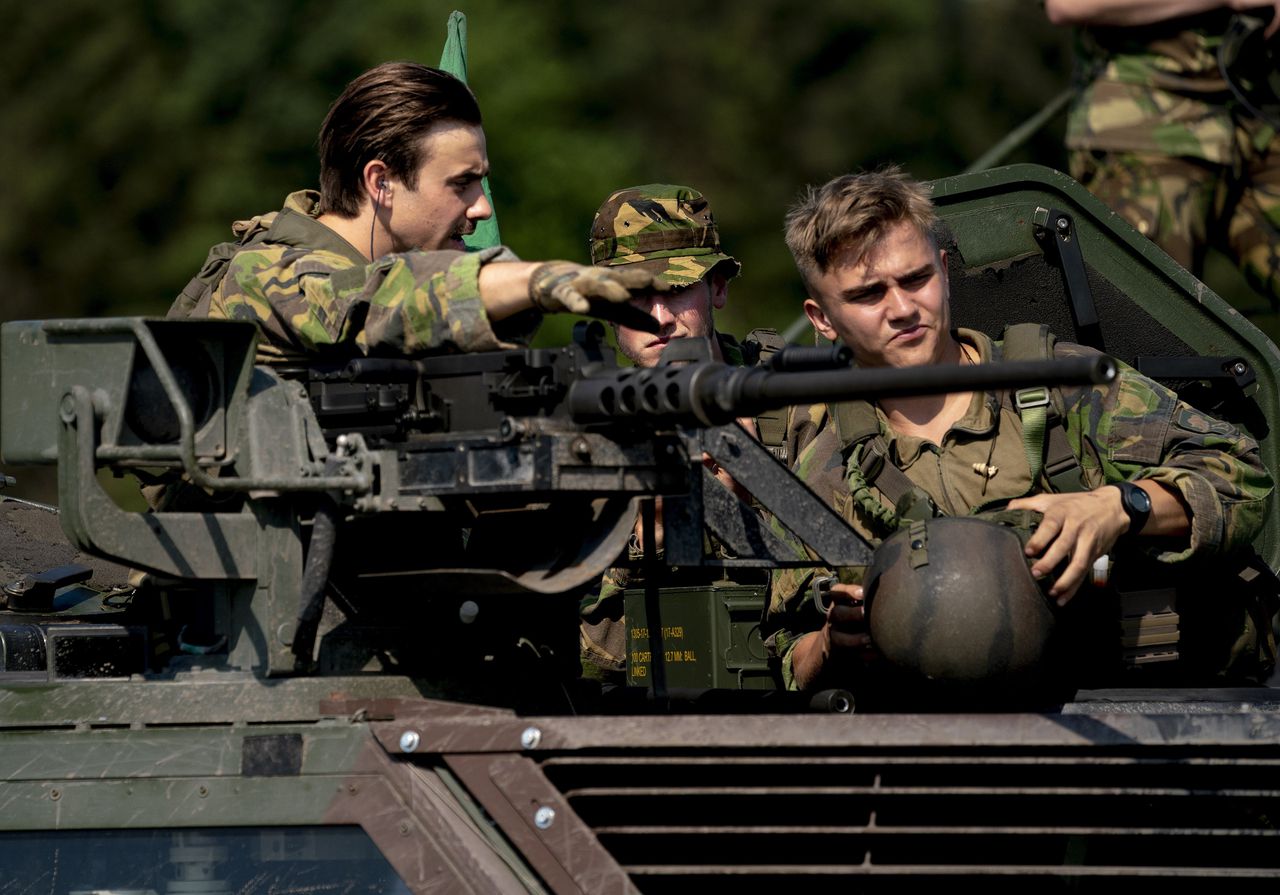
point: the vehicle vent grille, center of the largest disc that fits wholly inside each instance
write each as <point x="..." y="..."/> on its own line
<point x="863" y="822"/>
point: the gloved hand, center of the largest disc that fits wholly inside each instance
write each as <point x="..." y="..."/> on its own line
<point x="565" y="286"/>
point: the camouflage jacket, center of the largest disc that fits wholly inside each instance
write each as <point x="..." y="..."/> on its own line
<point x="312" y="293"/>
<point x="1158" y="89"/>
<point x="1132" y="428"/>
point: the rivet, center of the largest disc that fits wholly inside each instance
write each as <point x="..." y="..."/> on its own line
<point x="544" y="817"/>
<point x="409" y="741"/>
<point x="530" y="738"/>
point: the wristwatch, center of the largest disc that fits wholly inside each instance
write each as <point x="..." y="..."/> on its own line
<point x="1137" y="505"/>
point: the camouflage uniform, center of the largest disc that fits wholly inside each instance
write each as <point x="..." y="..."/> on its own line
<point x="312" y="293"/>
<point x="1131" y="429"/>
<point x="1156" y="134"/>
<point x="669" y="230"/>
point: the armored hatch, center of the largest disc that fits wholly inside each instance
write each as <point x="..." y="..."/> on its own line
<point x="1029" y="244"/>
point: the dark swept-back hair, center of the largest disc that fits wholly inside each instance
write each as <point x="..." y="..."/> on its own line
<point x="383" y="114"/>
<point x="850" y="214"/>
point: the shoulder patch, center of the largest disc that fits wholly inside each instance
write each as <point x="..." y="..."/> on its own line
<point x="1191" y="420"/>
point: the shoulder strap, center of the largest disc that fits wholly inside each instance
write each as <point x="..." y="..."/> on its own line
<point x="1044" y="434"/>
<point x="857" y="424"/>
<point x="195" y="297"/>
<point x="771" y="425"/>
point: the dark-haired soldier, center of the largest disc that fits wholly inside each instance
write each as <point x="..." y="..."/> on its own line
<point x="374" y="263"/>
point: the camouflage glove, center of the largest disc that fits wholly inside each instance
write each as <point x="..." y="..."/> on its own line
<point x="565" y="286"/>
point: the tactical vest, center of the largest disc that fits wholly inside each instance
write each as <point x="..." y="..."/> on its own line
<point x="1044" y="434"/>
<point x="196" y="296"/>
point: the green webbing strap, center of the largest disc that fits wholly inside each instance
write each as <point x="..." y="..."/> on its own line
<point x="918" y="541"/>
<point x="1042" y="413"/>
<point x="1032" y="405"/>
<point x="757" y="349"/>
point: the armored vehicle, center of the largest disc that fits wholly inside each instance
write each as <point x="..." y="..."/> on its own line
<point x="340" y="655"/>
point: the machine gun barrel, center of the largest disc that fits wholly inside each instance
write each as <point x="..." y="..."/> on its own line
<point x="713" y="394"/>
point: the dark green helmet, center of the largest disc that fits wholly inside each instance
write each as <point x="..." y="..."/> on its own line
<point x="952" y="606"/>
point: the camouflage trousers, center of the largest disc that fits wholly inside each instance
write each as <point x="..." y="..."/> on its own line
<point x="1188" y="205"/>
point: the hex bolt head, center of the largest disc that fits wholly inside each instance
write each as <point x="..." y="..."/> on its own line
<point x="468" y="611"/>
<point x="544" y="817"/>
<point x="1063" y="225"/>
<point x="530" y="738"/>
<point x="1239" y="369"/>
<point x="409" y="741"/>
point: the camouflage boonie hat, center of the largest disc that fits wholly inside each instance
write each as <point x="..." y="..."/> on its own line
<point x="667" y="229"/>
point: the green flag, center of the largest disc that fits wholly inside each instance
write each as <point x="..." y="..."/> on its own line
<point x="454" y="61"/>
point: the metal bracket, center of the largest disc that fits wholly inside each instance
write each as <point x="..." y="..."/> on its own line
<point x="1057" y="229"/>
<point x="806" y="515"/>
<point x="1232" y="375"/>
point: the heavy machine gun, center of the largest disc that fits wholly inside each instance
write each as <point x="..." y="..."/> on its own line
<point x="483" y="474"/>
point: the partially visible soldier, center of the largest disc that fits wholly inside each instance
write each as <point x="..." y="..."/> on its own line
<point x="1161" y="135"/>
<point x="670" y="232"/>
<point x="1182" y="485"/>
<point x="374" y="263"/>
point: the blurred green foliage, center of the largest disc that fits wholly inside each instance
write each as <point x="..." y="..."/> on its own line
<point x="137" y="131"/>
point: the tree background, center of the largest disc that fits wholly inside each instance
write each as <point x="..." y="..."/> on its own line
<point x="136" y="131"/>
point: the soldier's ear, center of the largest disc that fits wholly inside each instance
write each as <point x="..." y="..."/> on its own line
<point x="719" y="287"/>
<point x="818" y="318"/>
<point x="376" y="182"/>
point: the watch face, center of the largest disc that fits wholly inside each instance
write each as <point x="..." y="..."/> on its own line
<point x="1140" y="499"/>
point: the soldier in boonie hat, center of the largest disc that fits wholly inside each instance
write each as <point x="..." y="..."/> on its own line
<point x="670" y="231"/>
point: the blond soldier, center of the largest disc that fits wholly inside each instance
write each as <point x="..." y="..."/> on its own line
<point x="1151" y="468"/>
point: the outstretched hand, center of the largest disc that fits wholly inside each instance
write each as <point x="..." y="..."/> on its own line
<point x="566" y="286"/>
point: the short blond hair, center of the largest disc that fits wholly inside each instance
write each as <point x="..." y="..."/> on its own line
<point x="850" y="214"/>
